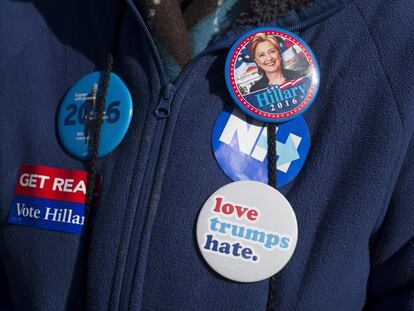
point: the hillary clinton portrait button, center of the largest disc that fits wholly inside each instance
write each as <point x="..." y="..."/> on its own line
<point x="272" y="74"/>
<point x="77" y="115"/>
<point x="247" y="231"/>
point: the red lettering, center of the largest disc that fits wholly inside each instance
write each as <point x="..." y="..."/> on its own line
<point x="218" y="203"/>
<point x="241" y="211"/>
<point x="252" y="215"/>
<point x="228" y="209"/>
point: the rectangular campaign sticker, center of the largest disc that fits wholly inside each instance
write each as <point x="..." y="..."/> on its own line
<point x="49" y="198"/>
<point x="52" y="183"/>
<point x="47" y="214"/>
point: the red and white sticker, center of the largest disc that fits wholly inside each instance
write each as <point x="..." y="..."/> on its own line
<point x="49" y="198"/>
<point x="52" y="183"/>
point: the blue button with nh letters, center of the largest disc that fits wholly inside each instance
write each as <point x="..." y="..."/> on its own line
<point x="77" y="115"/>
<point x="240" y="147"/>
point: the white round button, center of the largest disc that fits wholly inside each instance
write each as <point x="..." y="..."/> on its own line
<point x="247" y="231"/>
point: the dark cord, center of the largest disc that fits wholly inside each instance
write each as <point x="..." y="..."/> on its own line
<point x="92" y="171"/>
<point x="271" y="154"/>
<point x="271" y="171"/>
<point x="94" y="137"/>
<point x="93" y="145"/>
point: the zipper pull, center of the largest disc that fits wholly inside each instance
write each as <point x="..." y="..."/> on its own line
<point x="164" y="106"/>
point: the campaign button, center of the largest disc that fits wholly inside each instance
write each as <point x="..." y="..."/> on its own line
<point x="272" y="74"/>
<point x="247" y="231"/>
<point x="240" y="147"/>
<point x="77" y="115"/>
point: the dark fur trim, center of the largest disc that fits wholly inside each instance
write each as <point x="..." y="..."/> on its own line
<point x="260" y="11"/>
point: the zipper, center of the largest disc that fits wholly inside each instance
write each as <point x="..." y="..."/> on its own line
<point x="163" y="109"/>
<point x="162" y="112"/>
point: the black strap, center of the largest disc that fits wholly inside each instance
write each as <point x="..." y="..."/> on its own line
<point x="94" y="137"/>
<point x="93" y="145"/>
<point x="271" y="154"/>
<point x="271" y="172"/>
<point x="96" y="133"/>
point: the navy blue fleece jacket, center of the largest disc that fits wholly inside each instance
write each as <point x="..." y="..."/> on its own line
<point x="353" y="199"/>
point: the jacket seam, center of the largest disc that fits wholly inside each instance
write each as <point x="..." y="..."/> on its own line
<point x="399" y="162"/>
<point x="397" y="168"/>
<point x="22" y="49"/>
<point x="397" y="165"/>
<point x="388" y="79"/>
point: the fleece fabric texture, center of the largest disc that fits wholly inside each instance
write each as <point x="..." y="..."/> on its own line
<point x="353" y="199"/>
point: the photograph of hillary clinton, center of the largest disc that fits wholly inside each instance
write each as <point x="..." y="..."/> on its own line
<point x="264" y="65"/>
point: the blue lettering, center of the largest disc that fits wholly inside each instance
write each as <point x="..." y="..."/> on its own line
<point x="262" y="97"/>
<point x="271" y="240"/>
<point x="246" y="253"/>
<point x="213" y="224"/>
<point x="277" y="94"/>
<point x="237" y="231"/>
<point x="236" y="247"/>
<point x="223" y="227"/>
<point x="224" y="248"/>
<point x="280" y="97"/>
<point x="302" y="89"/>
<point x="211" y="244"/>
<point x="255" y="235"/>
<point x="287" y="94"/>
<point x="284" y="243"/>
<point x="235" y="250"/>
